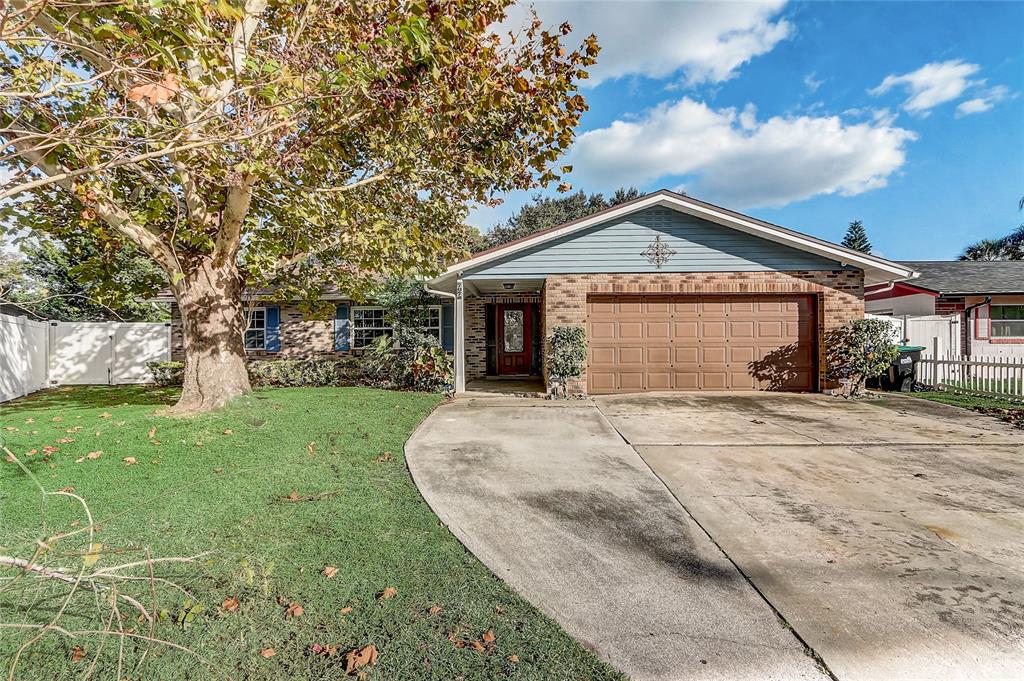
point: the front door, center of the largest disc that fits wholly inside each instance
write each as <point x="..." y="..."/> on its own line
<point x="515" y="335"/>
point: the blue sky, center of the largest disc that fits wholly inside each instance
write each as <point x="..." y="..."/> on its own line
<point x="906" y="115"/>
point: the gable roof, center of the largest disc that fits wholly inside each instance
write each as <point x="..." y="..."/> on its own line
<point x="875" y="269"/>
<point x="970" y="277"/>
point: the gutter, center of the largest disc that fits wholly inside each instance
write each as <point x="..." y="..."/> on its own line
<point x="967" y="323"/>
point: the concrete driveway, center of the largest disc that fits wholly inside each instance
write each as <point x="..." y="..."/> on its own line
<point x="671" y="532"/>
<point x="888" y="534"/>
<point x="552" y="500"/>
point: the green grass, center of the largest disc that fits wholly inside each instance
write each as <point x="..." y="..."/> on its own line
<point x="197" y="487"/>
<point x="968" y="401"/>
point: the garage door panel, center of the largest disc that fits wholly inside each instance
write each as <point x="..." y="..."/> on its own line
<point x="714" y="380"/>
<point x="719" y="342"/>
<point x="659" y="330"/>
<point x="659" y="356"/>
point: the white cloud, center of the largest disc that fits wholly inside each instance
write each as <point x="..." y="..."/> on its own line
<point x="984" y="102"/>
<point x="736" y="159"/>
<point x="708" y="41"/>
<point x="813" y="83"/>
<point x="931" y="85"/>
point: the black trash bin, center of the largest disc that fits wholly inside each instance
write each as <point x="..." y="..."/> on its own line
<point x="902" y="373"/>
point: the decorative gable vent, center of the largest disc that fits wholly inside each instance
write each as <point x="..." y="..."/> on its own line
<point x="658" y="252"/>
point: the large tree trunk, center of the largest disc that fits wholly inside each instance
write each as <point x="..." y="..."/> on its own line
<point x="213" y="323"/>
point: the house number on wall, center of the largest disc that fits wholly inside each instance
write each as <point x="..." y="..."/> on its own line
<point x="658" y="253"/>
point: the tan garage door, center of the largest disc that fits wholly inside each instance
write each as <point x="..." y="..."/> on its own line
<point x="726" y="342"/>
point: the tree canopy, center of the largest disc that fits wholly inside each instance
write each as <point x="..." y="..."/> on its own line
<point x="1009" y="247"/>
<point x="548" y="211"/>
<point x="246" y="142"/>
<point x="54" y="281"/>
<point x="857" y="238"/>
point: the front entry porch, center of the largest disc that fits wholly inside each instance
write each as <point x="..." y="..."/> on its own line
<point x="531" y="386"/>
<point x="503" y="335"/>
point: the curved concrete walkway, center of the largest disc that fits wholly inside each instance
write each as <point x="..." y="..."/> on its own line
<point x="556" y="503"/>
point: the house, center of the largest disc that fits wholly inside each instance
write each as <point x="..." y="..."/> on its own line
<point x="988" y="296"/>
<point x="674" y="294"/>
<point x="287" y="330"/>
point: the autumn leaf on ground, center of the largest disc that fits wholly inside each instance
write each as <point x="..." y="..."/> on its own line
<point x="294" y="496"/>
<point x="434" y="609"/>
<point x="488" y="636"/>
<point x="129" y="461"/>
<point x="346" y="610"/>
<point x="57" y="419"/>
<point x="50" y="449"/>
<point x="65" y="440"/>
<point x="152" y="432"/>
<point x="387" y="593"/>
<point x="293" y="610"/>
<point x="360" y="657"/>
<point x="75" y="429"/>
<point x="329" y="571"/>
<point x="93" y="555"/>
<point x="386" y="456"/>
<point x="10" y="458"/>
<point x="10" y="428"/>
<point x="31" y="452"/>
<point x="268" y="652"/>
<point x="228" y="431"/>
<point x="66" y="489"/>
<point x="477" y="646"/>
<point x="513" y="658"/>
<point x="229" y="604"/>
<point x="106" y="415"/>
<point x="77" y="654"/>
<point x="30" y="420"/>
<point x="311" y="448"/>
<point x="90" y="456"/>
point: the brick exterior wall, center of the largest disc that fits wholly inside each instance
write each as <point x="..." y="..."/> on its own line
<point x="301" y="338"/>
<point x="476" y="327"/>
<point x="840" y="296"/>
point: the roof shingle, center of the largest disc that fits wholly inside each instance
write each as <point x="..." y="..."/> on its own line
<point x="969" y="277"/>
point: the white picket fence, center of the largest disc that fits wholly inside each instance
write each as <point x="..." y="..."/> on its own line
<point x="35" y="355"/>
<point x="922" y="330"/>
<point x="990" y="376"/>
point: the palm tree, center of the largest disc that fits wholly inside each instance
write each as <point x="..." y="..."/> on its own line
<point x="987" y="249"/>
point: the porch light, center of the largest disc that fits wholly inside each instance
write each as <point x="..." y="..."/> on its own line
<point x="508" y="285"/>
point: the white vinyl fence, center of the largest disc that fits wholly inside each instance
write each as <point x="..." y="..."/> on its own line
<point x="35" y="355"/>
<point x="990" y="376"/>
<point x="923" y="330"/>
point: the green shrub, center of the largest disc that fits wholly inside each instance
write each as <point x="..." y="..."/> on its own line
<point x="568" y="352"/>
<point x="416" y="362"/>
<point x="297" y="373"/>
<point x="862" y="349"/>
<point x="167" y="373"/>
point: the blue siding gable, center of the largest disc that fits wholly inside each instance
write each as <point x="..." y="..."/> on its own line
<point x="617" y="246"/>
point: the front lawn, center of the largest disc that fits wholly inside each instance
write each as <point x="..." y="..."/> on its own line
<point x="277" y="487"/>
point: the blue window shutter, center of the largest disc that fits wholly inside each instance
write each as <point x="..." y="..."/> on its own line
<point x="273" y="329"/>
<point x="341" y="327"/>
<point x="448" y="326"/>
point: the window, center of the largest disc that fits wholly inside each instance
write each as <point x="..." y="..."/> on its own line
<point x="1007" y="321"/>
<point x="433" y="322"/>
<point x="367" y="326"/>
<point x="256" y="332"/>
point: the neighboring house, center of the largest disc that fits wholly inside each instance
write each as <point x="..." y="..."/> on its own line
<point x="988" y="296"/>
<point x="674" y="294"/>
